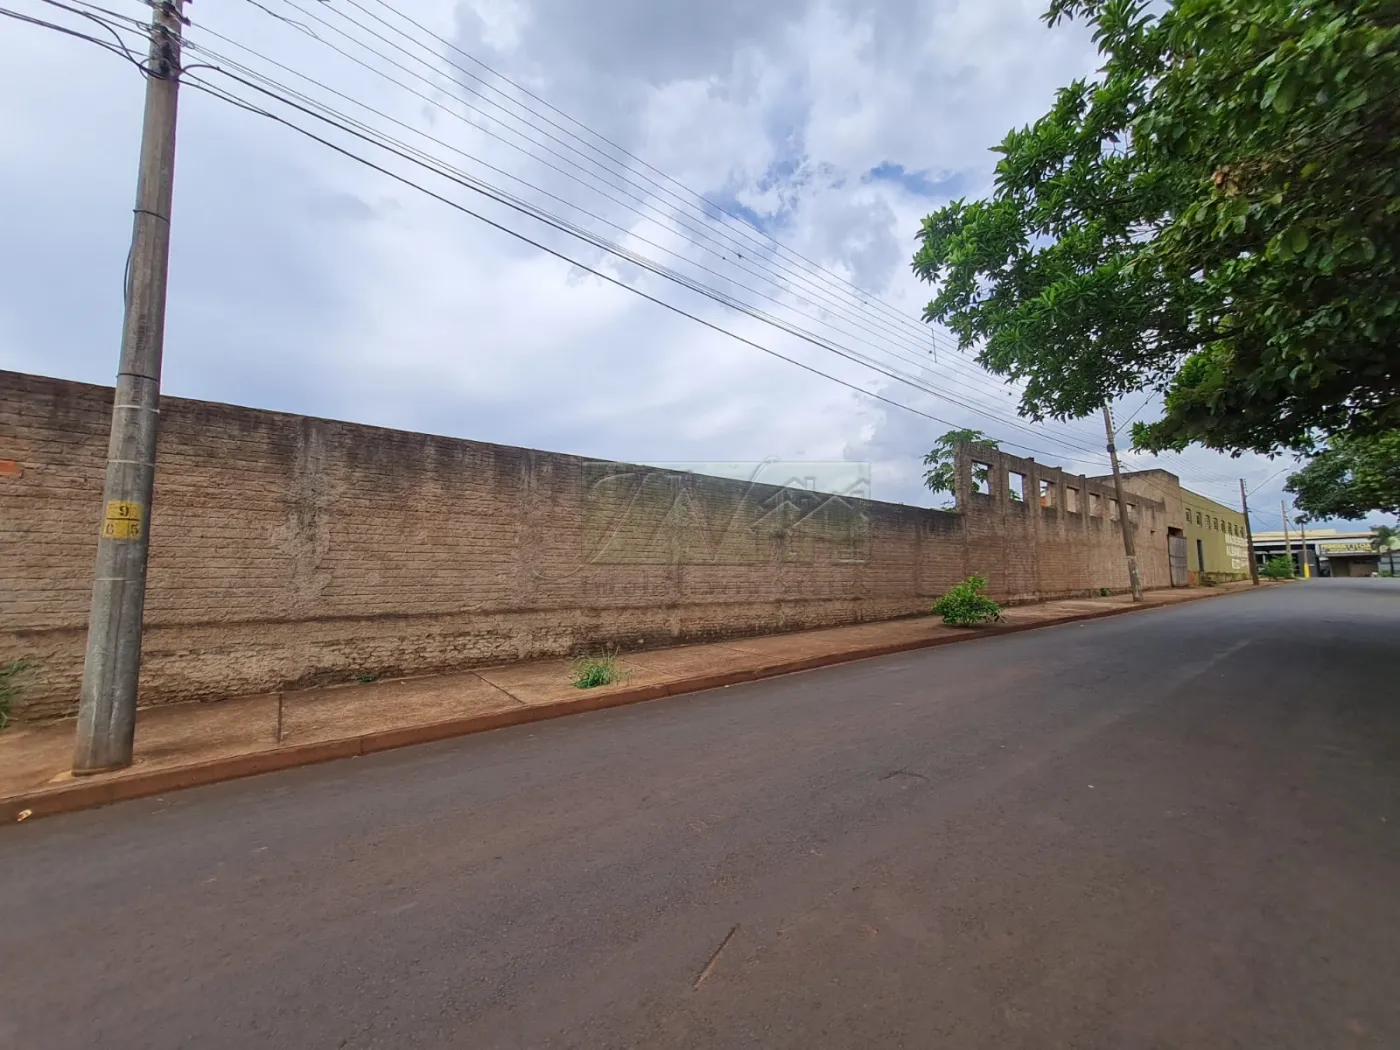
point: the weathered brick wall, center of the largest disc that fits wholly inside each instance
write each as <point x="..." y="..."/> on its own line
<point x="287" y="550"/>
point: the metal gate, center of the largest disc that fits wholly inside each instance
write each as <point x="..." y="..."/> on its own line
<point x="1176" y="551"/>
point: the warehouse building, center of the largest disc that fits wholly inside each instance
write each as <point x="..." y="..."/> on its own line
<point x="1327" y="551"/>
<point x="1207" y="540"/>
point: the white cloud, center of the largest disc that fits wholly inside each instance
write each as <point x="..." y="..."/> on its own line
<point x="303" y="281"/>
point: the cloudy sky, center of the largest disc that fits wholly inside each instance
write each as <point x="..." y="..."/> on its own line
<point x="302" y="280"/>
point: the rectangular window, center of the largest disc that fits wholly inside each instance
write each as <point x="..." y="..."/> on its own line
<point x="1072" y="500"/>
<point x="1095" y="505"/>
<point x="1047" y="493"/>
<point x="1198" y="517"/>
<point x="1017" y="484"/>
<point x="982" y="478"/>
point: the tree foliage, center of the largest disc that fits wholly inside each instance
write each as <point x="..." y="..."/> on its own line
<point x="1350" y="478"/>
<point x="1385" y="537"/>
<point x="1216" y="216"/>
<point x="941" y="475"/>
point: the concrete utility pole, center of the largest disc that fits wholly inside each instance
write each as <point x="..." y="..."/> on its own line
<point x="1249" y="535"/>
<point x="112" y="666"/>
<point x="1133" y="580"/>
<point x="1287" y="539"/>
<point x="1303" y="543"/>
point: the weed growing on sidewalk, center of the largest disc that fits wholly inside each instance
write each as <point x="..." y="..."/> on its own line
<point x="593" y="671"/>
<point x="1280" y="568"/>
<point x="9" y="688"/>
<point x="966" y="605"/>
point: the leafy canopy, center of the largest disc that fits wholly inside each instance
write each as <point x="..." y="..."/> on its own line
<point x="1351" y="478"/>
<point x="942" y="473"/>
<point x="1216" y="216"/>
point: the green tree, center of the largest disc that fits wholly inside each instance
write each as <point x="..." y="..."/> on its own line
<point x="1215" y="216"/>
<point x="942" y="475"/>
<point x="1351" y="478"/>
<point x="1385" y="537"/>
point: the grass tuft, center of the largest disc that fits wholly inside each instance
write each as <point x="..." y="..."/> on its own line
<point x="593" y="671"/>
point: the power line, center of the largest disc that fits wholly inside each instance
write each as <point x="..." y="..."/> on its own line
<point x="917" y="361"/>
<point x="582" y="234"/>
<point x="787" y="328"/>
<point x="862" y="296"/>
<point x="433" y="164"/>
<point x="105" y="24"/>
<point x="436" y="164"/>
<point x="628" y="186"/>
<point x="1117" y="430"/>
<point x="922" y="330"/>
<point x="706" y="243"/>
<point x="226" y="96"/>
<point x="122" y="52"/>
<point x="1286" y="466"/>
<point x="501" y="196"/>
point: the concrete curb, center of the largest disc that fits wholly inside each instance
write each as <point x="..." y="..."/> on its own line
<point x="87" y="793"/>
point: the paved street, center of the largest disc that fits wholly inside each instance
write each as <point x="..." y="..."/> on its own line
<point x="1173" y="829"/>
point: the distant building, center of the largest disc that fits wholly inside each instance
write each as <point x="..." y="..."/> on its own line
<point x="1207" y="539"/>
<point x="1328" y="552"/>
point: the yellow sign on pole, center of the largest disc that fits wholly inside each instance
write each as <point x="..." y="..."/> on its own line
<point x="122" y="520"/>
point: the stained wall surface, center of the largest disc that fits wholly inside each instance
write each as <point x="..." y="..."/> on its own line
<point x="287" y="550"/>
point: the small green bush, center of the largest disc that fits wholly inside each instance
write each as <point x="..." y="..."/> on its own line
<point x="593" y="671"/>
<point x="1105" y="592"/>
<point x="966" y="605"/>
<point x="1280" y="568"/>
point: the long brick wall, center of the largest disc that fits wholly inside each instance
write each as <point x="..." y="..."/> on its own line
<point x="288" y="551"/>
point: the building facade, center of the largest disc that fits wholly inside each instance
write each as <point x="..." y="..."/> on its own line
<point x="1327" y="552"/>
<point x="1217" y="541"/>
<point x="1209" y="541"/>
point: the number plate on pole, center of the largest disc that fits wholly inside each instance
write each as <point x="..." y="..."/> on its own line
<point x="122" y="521"/>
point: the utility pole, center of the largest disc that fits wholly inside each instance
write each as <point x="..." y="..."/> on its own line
<point x="112" y="665"/>
<point x="1133" y="580"/>
<point x="1249" y="535"/>
<point x="1303" y="542"/>
<point x="1287" y="539"/>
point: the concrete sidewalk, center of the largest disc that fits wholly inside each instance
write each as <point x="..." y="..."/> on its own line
<point x="188" y="744"/>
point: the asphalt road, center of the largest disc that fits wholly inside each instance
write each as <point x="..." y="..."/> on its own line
<point x="1174" y="829"/>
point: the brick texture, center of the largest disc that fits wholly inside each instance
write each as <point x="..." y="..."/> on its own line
<point x="290" y="551"/>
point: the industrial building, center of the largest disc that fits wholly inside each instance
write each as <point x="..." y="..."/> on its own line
<point x="1326" y="552"/>
<point x="1207" y="540"/>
